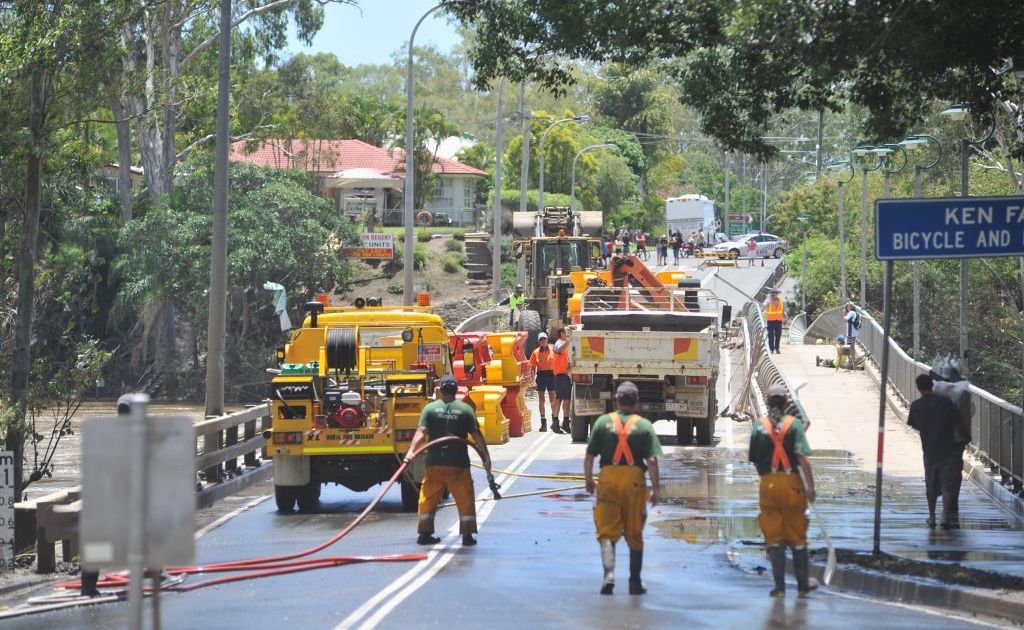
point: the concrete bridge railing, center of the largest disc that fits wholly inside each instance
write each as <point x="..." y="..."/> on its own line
<point x="997" y="426"/>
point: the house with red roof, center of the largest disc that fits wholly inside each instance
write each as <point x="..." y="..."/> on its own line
<point x="363" y="179"/>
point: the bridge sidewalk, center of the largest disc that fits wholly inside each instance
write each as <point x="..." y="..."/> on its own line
<point x="843" y="407"/>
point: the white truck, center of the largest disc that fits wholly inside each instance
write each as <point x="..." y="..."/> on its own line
<point x="691" y="213"/>
<point x="667" y="346"/>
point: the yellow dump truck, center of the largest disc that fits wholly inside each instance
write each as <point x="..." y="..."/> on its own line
<point x="348" y="396"/>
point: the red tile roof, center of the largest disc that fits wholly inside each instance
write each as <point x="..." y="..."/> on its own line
<point x="326" y="157"/>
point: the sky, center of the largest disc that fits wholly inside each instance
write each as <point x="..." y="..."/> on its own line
<point x="381" y="30"/>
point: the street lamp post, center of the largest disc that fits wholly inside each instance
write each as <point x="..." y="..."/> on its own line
<point x="863" y="151"/>
<point x="572" y="184"/>
<point x="410" y="176"/>
<point x="540" y="194"/>
<point x="885" y="152"/>
<point x="912" y="142"/>
<point x="837" y="166"/>
<point x="959" y="112"/>
<point x="496" y="243"/>
<point x="803" y="272"/>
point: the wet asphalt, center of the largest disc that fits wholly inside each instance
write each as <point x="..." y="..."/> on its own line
<point x="537" y="564"/>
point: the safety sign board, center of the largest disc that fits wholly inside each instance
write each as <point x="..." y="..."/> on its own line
<point x="374" y="245"/>
<point x="429" y="353"/>
<point x="6" y="511"/>
<point x="959" y="227"/>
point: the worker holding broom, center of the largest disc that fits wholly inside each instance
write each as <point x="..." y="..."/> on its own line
<point x="779" y="450"/>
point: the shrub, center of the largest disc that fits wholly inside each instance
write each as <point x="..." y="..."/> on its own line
<point x="423" y="237"/>
<point x="508" y="275"/>
<point x="419" y="258"/>
<point x="459" y="235"/>
<point x="450" y="264"/>
<point x="453" y="245"/>
<point x="396" y="287"/>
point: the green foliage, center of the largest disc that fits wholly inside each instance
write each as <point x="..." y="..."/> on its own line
<point x="508" y="275"/>
<point x="396" y="287"/>
<point x="423" y="237"/>
<point x="459" y="235"/>
<point x="419" y="258"/>
<point x="453" y="245"/>
<point x="450" y="264"/>
<point x="510" y="200"/>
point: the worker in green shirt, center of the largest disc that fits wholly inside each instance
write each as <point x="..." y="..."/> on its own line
<point x="515" y="300"/>
<point x="779" y="450"/>
<point x="448" y="463"/>
<point x="627" y="446"/>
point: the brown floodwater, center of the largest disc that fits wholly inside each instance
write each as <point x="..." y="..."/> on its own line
<point x="67" y="460"/>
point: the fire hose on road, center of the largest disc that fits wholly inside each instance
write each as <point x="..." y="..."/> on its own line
<point x="267" y="566"/>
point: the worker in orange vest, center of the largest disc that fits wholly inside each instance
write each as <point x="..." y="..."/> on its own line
<point x="774" y="314"/>
<point x="627" y="446"/>
<point x="779" y="450"/>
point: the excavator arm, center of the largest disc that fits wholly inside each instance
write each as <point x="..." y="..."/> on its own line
<point x="628" y="272"/>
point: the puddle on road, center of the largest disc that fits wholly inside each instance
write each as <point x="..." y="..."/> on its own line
<point x="710" y="496"/>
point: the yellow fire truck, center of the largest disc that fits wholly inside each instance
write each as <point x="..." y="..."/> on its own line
<point x="346" y="403"/>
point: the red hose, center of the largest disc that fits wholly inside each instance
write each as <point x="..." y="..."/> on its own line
<point x="285" y="563"/>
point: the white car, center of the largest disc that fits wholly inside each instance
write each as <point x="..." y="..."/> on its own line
<point x="768" y="246"/>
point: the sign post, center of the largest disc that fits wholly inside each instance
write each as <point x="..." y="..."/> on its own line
<point x="916" y="229"/>
<point x="6" y="511"/>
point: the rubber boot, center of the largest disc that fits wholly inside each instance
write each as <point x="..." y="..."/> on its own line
<point x="777" y="555"/>
<point x="468" y="540"/>
<point x="89" y="580"/>
<point x="543" y="424"/>
<point x="608" y="562"/>
<point x="802" y="568"/>
<point x="427" y="539"/>
<point x="636" y="563"/>
<point x="950" y="519"/>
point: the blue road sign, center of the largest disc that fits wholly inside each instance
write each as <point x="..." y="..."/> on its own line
<point x="961" y="227"/>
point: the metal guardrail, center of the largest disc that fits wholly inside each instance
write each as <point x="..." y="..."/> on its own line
<point x="53" y="518"/>
<point x="798" y="328"/>
<point x="997" y="426"/>
<point x="761" y="367"/>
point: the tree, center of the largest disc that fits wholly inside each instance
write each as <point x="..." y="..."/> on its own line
<point x="738" y="64"/>
<point x="49" y="52"/>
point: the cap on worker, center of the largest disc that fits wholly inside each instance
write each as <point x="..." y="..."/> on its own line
<point x="542" y="335"/>
<point x="627" y="392"/>
<point x="519" y="287"/>
<point x="448" y="383"/>
<point x="778" y="390"/>
<point x="774" y="290"/>
<point x="841" y="338"/>
<point x="124" y="405"/>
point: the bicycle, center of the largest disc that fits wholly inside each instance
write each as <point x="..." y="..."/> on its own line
<point x="643" y="254"/>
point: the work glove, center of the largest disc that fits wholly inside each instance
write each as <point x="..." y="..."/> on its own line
<point x="494" y="485"/>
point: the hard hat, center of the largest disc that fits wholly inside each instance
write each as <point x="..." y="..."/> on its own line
<point x="519" y="287"/>
<point x="841" y="338"/>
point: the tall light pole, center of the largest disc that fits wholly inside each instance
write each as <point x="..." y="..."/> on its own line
<point x="911" y="142"/>
<point x="496" y="243"/>
<point x="217" y="324"/>
<point x="803" y="272"/>
<point x="572" y="185"/>
<point x="885" y="153"/>
<point x="840" y="166"/>
<point x="410" y="174"/>
<point x="725" y="165"/>
<point x="864" y="151"/>
<point x="580" y="119"/>
<point x="960" y="112"/>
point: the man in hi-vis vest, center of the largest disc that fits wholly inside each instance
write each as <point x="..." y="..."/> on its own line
<point x="779" y="450"/>
<point x="774" y="315"/>
<point x="627" y="446"/>
<point x="515" y="301"/>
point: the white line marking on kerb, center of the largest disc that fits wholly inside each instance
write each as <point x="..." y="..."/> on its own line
<point x="387" y="599"/>
<point x="230" y="515"/>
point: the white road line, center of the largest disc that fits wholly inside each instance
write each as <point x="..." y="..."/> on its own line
<point x="230" y="515"/>
<point x="406" y="584"/>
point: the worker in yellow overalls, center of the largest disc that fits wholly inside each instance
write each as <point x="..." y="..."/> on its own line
<point x="778" y="446"/>
<point x="627" y="446"/>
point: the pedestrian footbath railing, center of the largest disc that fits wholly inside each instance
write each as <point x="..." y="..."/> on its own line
<point x="997" y="426"/>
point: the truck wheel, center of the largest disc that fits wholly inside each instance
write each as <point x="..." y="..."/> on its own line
<point x="410" y="496"/>
<point x="579" y="428"/>
<point x="308" y="496"/>
<point x="285" y="497"/>
<point x="706" y="427"/>
<point x="684" y="431"/>
<point x="531" y="323"/>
